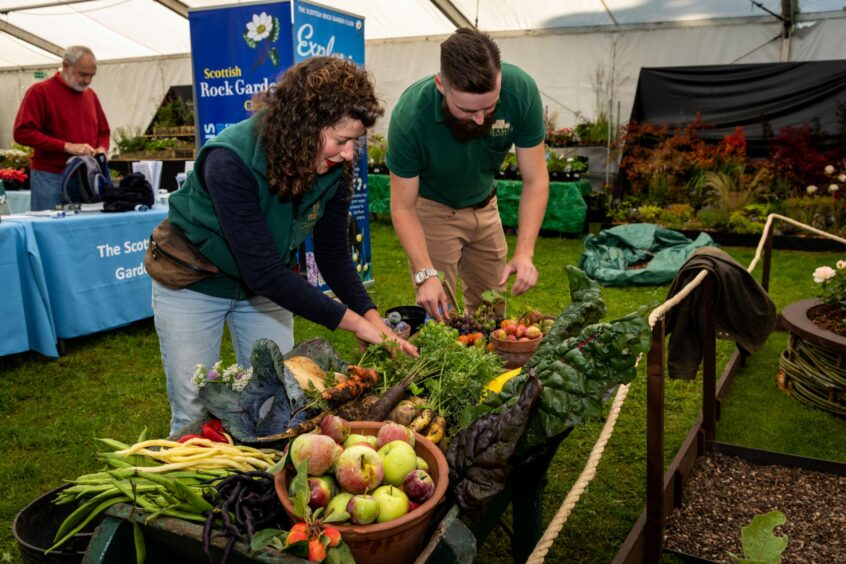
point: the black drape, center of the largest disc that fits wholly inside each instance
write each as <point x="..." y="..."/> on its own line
<point x="760" y="98"/>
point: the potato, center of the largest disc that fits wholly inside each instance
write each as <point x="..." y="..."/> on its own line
<point x="403" y="413"/>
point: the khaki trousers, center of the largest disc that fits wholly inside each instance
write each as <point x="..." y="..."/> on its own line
<point x="468" y="242"/>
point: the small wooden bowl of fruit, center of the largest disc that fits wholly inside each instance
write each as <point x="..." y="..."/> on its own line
<point x="515" y="342"/>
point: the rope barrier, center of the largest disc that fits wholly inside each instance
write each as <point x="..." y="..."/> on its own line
<point x="589" y="471"/>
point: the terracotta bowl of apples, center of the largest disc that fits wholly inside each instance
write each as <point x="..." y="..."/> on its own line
<point x="350" y="474"/>
<point x="515" y="343"/>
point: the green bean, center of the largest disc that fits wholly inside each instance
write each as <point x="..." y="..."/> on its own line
<point x="96" y="511"/>
<point x="138" y="537"/>
<point x="117" y="445"/>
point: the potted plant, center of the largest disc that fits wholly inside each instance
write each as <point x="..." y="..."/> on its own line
<point x="377" y="148"/>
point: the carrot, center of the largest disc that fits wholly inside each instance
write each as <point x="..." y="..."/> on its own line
<point x="304" y="427"/>
<point x="361" y="381"/>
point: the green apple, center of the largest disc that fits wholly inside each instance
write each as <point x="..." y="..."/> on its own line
<point x="355" y="439"/>
<point x="422" y="465"/>
<point x="363" y="509"/>
<point x="393" y="503"/>
<point x="398" y="459"/>
<point x="338" y="504"/>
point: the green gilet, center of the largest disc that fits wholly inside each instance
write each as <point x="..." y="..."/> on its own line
<point x="192" y="211"/>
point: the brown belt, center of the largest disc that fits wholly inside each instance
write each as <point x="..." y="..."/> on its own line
<point x="486" y="201"/>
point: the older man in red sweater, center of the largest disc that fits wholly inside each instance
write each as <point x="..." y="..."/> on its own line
<point x="60" y="117"/>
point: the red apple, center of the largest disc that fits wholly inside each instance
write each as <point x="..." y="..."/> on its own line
<point x="418" y="486"/>
<point x="323" y="489"/>
<point x="335" y="427"/>
<point x="359" y="469"/>
<point x="521" y="331"/>
<point x="412" y="505"/>
<point x="392" y="431"/>
<point x="320" y="451"/>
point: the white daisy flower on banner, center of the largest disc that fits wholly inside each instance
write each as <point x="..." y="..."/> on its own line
<point x="260" y="27"/>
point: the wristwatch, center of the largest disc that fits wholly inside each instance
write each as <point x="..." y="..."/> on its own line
<point x="424" y="274"/>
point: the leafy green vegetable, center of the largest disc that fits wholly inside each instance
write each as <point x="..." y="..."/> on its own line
<point x="760" y="545"/>
<point x="265" y="405"/>
<point x="575" y="370"/>
<point x="452" y="375"/>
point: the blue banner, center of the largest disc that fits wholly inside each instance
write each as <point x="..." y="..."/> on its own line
<point x="236" y="51"/>
<point x="321" y="31"/>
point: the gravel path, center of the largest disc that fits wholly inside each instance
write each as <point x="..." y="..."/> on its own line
<point x="724" y="493"/>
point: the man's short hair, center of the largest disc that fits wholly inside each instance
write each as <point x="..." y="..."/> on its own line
<point x="74" y="53"/>
<point x="470" y="61"/>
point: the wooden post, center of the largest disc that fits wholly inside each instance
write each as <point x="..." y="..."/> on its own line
<point x="654" y="532"/>
<point x="709" y="361"/>
<point x="768" y="252"/>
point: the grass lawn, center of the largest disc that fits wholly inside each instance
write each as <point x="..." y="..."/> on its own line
<point x="112" y="385"/>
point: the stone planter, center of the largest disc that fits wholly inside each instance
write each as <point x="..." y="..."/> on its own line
<point x="813" y="367"/>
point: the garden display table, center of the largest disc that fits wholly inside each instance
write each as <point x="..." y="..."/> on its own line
<point x="565" y="211"/>
<point x="91" y="268"/>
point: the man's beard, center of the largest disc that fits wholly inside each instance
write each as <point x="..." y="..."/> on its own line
<point x="465" y="131"/>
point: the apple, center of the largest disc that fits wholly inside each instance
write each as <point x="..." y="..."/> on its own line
<point x="511" y="337"/>
<point x="391" y="431"/>
<point x="320" y="451"/>
<point x="521" y="331"/>
<point x="412" y="505"/>
<point x="363" y="509"/>
<point x="393" y="503"/>
<point x="533" y="331"/>
<point x="499" y="334"/>
<point x="422" y="464"/>
<point x="338" y="504"/>
<point x="323" y="489"/>
<point x="335" y="427"/>
<point x="355" y="439"/>
<point x="418" y="486"/>
<point x="398" y="459"/>
<point x="359" y="469"/>
<point x="511" y="329"/>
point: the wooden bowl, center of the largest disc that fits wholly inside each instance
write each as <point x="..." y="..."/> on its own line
<point x="398" y="540"/>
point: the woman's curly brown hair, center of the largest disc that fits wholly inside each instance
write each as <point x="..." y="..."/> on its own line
<point x="311" y="95"/>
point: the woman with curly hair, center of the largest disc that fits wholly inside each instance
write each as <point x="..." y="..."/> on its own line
<point x="257" y="190"/>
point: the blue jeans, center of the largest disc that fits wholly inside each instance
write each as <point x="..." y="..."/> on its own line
<point x="190" y="329"/>
<point x="46" y="190"/>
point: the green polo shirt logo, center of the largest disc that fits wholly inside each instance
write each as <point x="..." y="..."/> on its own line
<point x="500" y="128"/>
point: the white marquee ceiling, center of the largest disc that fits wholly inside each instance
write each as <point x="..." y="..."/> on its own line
<point x="33" y="32"/>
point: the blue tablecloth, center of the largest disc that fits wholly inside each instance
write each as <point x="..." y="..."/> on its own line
<point x="93" y="267"/>
<point x="24" y="303"/>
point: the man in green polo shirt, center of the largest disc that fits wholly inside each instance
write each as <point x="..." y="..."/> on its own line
<point x="448" y="136"/>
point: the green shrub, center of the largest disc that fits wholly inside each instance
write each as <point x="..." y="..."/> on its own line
<point x="130" y="140"/>
<point x="649" y="213"/>
<point x="676" y="216"/>
<point x="713" y="219"/>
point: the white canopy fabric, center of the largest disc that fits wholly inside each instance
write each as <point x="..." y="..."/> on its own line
<point x="119" y="29"/>
<point x="584" y="54"/>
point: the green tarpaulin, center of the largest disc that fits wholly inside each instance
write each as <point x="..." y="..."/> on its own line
<point x="565" y="212"/>
<point x="638" y="254"/>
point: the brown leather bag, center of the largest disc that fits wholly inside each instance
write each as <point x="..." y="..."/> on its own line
<point x="172" y="260"/>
